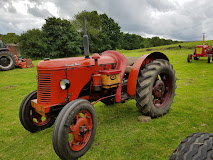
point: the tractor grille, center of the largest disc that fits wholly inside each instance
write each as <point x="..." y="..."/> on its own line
<point x="44" y="87"/>
<point x="199" y="50"/>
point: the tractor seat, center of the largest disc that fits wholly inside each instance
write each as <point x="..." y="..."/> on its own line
<point x="130" y="62"/>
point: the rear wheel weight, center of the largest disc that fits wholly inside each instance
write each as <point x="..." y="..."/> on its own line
<point x="30" y="119"/>
<point x="155" y="88"/>
<point x="75" y="129"/>
<point x="196" y="146"/>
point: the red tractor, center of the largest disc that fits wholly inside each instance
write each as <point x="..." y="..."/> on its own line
<point x="201" y="51"/>
<point x="9" y="61"/>
<point x="66" y="88"/>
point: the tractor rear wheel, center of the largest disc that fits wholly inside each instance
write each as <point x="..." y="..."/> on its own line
<point x="7" y="60"/>
<point x="210" y="58"/>
<point x="30" y="119"/>
<point x="74" y="129"/>
<point x="155" y="88"/>
<point x="195" y="146"/>
<point x="189" y="58"/>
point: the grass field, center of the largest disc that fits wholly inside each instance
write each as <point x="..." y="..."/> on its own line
<point x="119" y="135"/>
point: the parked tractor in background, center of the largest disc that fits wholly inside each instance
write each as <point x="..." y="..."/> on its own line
<point x="66" y="88"/>
<point x="9" y="61"/>
<point x="201" y="51"/>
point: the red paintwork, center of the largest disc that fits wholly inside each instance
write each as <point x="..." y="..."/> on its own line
<point x="76" y="62"/>
<point x="162" y="90"/>
<point x="205" y="51"/>
<point x="97" y="80"/>
<point x="36" y="117"/>
<point x="140" y="64"/>
<point x="80" y="71"/>
<point x="109" y="72"/>
<point x="23" y="63"/>
<point x="158" y="89"/>
<point x="81" y="130"/>
<point x="121" y="65"/>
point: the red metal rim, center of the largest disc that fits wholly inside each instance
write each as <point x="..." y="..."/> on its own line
<point x="80" y="131"/>
<point x="38" y="119"/>
<point x="162" y="90"/>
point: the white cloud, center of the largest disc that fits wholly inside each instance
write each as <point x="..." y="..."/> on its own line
<point x="176" y="19"/>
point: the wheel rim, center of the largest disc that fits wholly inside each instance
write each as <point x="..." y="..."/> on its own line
<point x="80" y="131"/>
<point x="6" y="61"/>
<point x="38" y="119"/>
<point x="161" y="90"/>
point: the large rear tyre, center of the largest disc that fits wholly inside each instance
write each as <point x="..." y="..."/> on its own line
<point x="210" y="58"/>
<point x="7" y="60"/>
<point x="30" y="119"/>
<point x="189" y="58"/>
<point x="197" y="146"/>
<point x="155" y="88"/>
<point x="74" y="129"/>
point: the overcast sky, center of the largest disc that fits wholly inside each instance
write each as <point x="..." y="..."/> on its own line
<point x="171" y="19"/>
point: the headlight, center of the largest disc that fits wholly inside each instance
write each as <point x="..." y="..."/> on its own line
<point x="64" y="84"/>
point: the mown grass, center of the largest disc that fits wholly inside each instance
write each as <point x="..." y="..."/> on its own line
<point x="119" y="135"/>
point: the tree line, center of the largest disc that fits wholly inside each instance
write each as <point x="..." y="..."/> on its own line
<point x="63" y="38"/>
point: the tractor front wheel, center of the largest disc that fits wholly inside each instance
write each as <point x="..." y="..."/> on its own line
<point x="195" y="146"/>
<point x="155" y="88"/>
<point x="210" y="58"/>
<point x="196" y="58"/>
<point x="7" y="61"/>
<point x="74" y="129"/>
<point x="30" y="119"/>
<point x="189" y="58"/>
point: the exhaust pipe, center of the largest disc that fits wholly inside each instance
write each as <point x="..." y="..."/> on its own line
<point x="85" y="40"/>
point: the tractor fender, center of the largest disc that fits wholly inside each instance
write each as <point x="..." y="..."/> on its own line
<point x="138" y="65"/>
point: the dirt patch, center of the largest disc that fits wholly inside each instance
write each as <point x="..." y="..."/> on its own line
<point x="144" y="118"/>
<point x="8" y="87"/>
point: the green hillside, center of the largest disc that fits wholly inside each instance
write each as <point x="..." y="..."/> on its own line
<point x="119" y="134"/>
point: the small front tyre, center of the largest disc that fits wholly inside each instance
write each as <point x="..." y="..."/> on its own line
<point x="74" y="129"/>
<point x="210" y="58"/>
<point x="197" y="146"/>
<point x="30" y="119"/>
<point x="189" y="58"/>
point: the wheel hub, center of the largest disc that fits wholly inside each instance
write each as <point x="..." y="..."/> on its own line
<point x="80" y="129"/>
<point x="4" y="61"/>
<point x="159" y="89"/>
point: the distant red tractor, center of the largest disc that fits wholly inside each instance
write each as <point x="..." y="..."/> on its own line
<point x="66" y="88"/>
<point x="9" y="61"/>
<point x="201" y="51"/>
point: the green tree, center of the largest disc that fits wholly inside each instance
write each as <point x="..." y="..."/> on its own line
<point x="132" y="41"/>
<point x="104" y="32"/>
<point x="31" y="44"/>
<point x="10" y="38"/>
<point x="112" y="30"/>
<point x="61" y="37"/>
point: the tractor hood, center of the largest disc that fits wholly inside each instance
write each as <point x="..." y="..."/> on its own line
<point x="202" y="46"/>
<point x="73" y="62"/>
